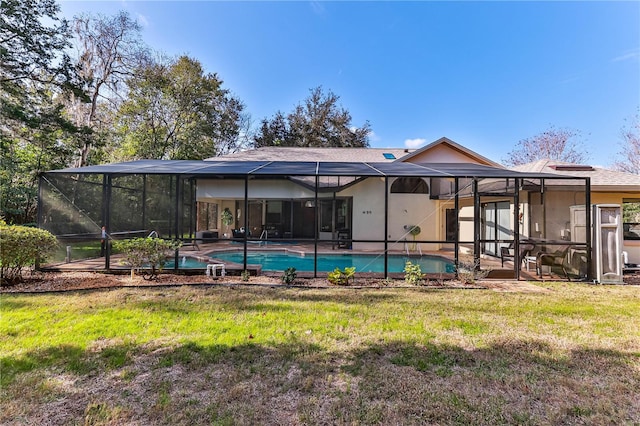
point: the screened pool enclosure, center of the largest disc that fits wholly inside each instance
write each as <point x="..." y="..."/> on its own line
<point x="466" y="215"/>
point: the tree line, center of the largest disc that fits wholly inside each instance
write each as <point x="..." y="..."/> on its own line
<point x="89" y="91"/>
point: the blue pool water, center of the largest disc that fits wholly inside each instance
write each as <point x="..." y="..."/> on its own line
<point x="279" y="261"/>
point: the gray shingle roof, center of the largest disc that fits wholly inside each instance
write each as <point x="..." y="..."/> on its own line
<point x="601" y="179"/>
<point x="367" y="155"/>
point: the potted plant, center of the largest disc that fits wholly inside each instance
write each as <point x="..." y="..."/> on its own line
<point x="226" y="218"/>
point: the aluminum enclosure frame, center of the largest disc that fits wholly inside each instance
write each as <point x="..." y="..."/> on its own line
<point x="187" y="170"/>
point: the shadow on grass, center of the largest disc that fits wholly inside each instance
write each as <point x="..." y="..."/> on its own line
<point x="510" y="382"/>
<point x="261" y="300"/>
<point x="355" y="296"/>
<point x="7" y="304"/>
<point x="514" y="382"/>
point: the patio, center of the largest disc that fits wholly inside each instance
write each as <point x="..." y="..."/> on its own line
<point x="205" y="253"/>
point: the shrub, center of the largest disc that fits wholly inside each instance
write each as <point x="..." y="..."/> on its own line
<point x="412" y="273"/>
<point x="146" y="252"/>
<point x="468" y="273"/>
<point x="22" y="247"/>
<point x="289" y="276"/>
<point x="245" y="275"/>
<point x="341" y="277"/>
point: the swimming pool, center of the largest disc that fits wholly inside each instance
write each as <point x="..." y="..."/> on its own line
<point x="279" y="261"/>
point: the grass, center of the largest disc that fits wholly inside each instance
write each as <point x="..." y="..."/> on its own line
<point x="244" y="355"/>
<point x="79" y="250"/>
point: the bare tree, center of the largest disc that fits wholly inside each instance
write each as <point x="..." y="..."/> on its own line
<point x="109" y="50"/>
<point x="553" y="144"/>
<point x="630" y="153"/>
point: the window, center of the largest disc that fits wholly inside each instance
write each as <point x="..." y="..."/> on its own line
<point x="330" y="222"/>
<point x="631" y="218"/>
<point x="409" y="185"/>
<point x="389" y="156"/>
<point x="207" y="216"/>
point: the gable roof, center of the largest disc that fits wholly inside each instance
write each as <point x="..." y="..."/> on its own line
<point x="446" y="142"/>
<point x="280" y="153"/>
<point x="601" y="179"/>
<point x="369" y="155"/>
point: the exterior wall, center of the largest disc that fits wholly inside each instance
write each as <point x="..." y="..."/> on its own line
<point x="465" y="222"/>
<point x="368" y="212"/>
<point x="441" y="154"/>
<point x="609" y="197"/>
<point x="557" y="214"/>
<point x="404" y="209"/>
<point x="258" y="189"/>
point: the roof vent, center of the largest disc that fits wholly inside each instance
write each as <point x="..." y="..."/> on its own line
<point x="572" y="167"/>
<point x="389" y="156"/>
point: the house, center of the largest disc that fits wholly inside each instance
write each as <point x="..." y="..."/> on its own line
<point x="362" y="200"/>
<point x="347" y="203"/>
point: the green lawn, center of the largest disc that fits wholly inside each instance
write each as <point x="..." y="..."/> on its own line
<point x="245" y="355"/>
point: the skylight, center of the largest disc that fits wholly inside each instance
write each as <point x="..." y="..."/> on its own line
<point x="389" y="156"/>
<point x="572" y="167"/>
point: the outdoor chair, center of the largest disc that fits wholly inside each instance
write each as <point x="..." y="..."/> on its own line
<point x="551" y="259"/>
<point x="238" y="234"/>
<point x="508" y="252"/>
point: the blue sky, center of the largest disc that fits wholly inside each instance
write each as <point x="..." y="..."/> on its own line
<point x="485" y="74"/>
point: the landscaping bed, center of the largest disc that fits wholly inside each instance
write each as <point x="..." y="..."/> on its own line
<point x="61" y="281"/>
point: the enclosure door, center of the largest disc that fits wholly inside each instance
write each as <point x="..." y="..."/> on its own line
<point x="496" y="219"/>
<point x="304" y="219"/>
